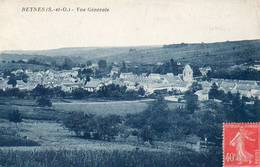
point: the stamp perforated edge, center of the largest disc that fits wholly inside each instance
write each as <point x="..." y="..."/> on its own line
<point x="223" y="134"/>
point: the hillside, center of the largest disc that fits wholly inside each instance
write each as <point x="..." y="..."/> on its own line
<point x="223" y="53"/>
<point x="235" y="52"/>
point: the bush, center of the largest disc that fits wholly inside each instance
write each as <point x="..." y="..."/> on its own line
<point x="43" y="101"/>
<point x="6" y="140"/>
<point x="10" y="137"/>
<point x="90" y="126"/>
<point x="15" y="116"/>
<point x="79" y="93"/>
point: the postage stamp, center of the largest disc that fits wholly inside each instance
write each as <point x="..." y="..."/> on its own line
<point x="241" y="146"/>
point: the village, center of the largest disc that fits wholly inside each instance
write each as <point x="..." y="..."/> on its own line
<point x="173" y="85"/>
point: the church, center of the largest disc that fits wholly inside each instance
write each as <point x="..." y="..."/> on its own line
<point x="187" y="74"/>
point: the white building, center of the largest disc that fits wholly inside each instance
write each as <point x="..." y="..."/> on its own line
<point x="203" y="95"/>
<point x="187" y="74"/>
<point x="204" y="70"/>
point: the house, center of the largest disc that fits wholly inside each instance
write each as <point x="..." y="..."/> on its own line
<point x="227" y="86"/>
<point x="16" y="72"/>
<point x="180" y="87"/>
<point x="255" y="67"/>
<point x="206" y="85"/>
<point x="203" y="95"/>
<point x="172" y="98"/>
<point x="204" y="70"/>
<point x="22" y="86"/>
<point x="69" y="87"/>
<point x="193" y="142"/>
<point x="4" y="85"/>
<point x="255" y="93"/>
<point x="248" y="82"/>
<point x="153" y="76"/>
<point x="127" y="75"/>
<point x="93" y="85"/>
<point x="114" y="71"/>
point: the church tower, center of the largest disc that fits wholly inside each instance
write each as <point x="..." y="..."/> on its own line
<point x="187" y="73"/>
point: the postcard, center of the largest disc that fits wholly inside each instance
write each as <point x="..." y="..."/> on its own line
<point x="107" y="83"/>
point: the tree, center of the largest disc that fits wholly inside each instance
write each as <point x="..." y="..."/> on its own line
<point x="155" y="119"/>
<point x="195" y="87"/>
<point x="89" y="63"/>
<point x="79" y="93"/>
<point x="85" y="74"/>
<point x="57" y="92"/>
<point x="147" y="134"/>
<point x="67" y="64"/>
<point x="12" y="81"/>
<point x="141" y="91"/>
<point x="108" y="127"/>
<point x="213" y="92"/>
<point x="174" y="66"/>
<point x="81" y="123"/>
<point x="102" y="64"/>
<point x="112" y="90"/>
<point x="191" y="101"/>
<point x="228" y="97"/>
<point x="237" y="111"/>
<point x="256" y="110"/>
<point x="24" y="77"/>
<point x="90" y="126"/>
<point x="123" y="68"/>
<point x="15" y="116"/>
<point x="40" y="90"/>
<point x="44" y="101"/>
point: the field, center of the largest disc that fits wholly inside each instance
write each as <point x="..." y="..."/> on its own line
<point x="103" y="108"/>
<point x="100" y="158"/>
<point x="60" y="109"/>
<point x="60" y="147"/>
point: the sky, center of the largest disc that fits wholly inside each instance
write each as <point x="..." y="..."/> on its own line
<point x="128" y="23"/>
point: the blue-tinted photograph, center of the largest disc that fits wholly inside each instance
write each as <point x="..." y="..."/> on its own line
<point x="125" y="84"/>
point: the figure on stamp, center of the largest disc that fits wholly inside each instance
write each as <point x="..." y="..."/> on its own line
<point x="239" y="142"/>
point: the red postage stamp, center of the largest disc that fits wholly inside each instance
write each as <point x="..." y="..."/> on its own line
<point x="241" y="146"/>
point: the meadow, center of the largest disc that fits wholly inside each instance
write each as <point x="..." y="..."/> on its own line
<point x="98" y="158"/>
<point x="59" y="147"/>
<point x="60" y="109"/>
<point x="103" y="107"/>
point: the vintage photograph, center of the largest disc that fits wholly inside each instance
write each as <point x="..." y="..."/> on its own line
<point x="130" y="84"/>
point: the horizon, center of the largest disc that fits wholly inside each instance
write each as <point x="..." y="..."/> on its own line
<point x="127" y="23"/>
<point x="134" y="46"/>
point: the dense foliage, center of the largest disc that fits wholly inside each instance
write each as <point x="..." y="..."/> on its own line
<point x="15" y="116"/>
<point x="10" y="137"/>
<point x="93" y="127"/>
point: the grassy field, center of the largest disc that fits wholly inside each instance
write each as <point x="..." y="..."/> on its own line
<point x="60" y="109"/>
<point x="103" y="108"/>
<point x="31" y="112"/>
<point x="101" y="158"/>
<point x="60" y="148"/>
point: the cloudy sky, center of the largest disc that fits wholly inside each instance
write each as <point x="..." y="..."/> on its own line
<point x="128" y="23"/>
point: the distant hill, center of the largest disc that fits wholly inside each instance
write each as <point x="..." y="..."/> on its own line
<point x="220" y="53"/>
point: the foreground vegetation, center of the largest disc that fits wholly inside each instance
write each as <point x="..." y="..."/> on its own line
<point x="10" y="137"/>
<point x="98" y="158"/>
